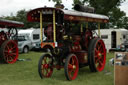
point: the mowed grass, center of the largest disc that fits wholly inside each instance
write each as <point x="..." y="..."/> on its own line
<point x="26" y="73"/>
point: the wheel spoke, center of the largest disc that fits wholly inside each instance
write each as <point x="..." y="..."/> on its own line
<point x="12" y="54"/>
<point x="14" y="51"/>
<point x="96" y="52"/>
<point x="11" y="58"/>
<point x="102" y="58"/>
<point x="42" y="67"/>
<point x="99" y="57"/>
<point x="43" y="71"/>
<point x="13" y="48"/>
<point x="96" y="61"/>
<point x="96" y="48"/>
<point x="45" y="60"/>
<point x="8" y="47"/>
<point x="99" y="47"/>
<point x="100" y="63"/>
<point x="72" y="61"/>
<point x="70" y="73"/>
<point x="46" y="72"/>
<point x="7" y="59"/>
<point x="102" y="54"/>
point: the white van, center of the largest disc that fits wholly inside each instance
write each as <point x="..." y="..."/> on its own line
<point x="28" y="39"/>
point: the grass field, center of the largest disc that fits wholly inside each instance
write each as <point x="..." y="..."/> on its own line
<point x="26" y="73"/>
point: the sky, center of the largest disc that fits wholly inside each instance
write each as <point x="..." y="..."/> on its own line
<point x="12" y="6"/>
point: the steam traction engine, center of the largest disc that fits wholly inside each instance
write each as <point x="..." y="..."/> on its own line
<point x="71" y="41"/>
<point x="8" y="41"/>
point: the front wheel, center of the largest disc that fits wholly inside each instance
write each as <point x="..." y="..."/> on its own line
<point x="71" y="67"/>
<point x="45" y="64"/>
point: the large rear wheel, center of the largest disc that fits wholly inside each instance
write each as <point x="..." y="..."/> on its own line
<point x="97" y="55"/>
<point x="71" y="67"/>
<point x="45" y="66"/>
<point x="9" y="51"/>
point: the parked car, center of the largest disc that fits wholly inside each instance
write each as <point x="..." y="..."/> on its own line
<point x="29" y="39"/>
<point x="24" y="44"/>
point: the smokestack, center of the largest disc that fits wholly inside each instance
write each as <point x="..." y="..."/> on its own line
<point x="83" y="8"/>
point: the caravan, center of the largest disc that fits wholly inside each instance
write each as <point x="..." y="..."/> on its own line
<point x="28" y="39"/>
<point x="113" y="38"/>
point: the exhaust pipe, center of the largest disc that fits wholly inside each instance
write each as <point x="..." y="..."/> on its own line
<point x="83" y="8"/>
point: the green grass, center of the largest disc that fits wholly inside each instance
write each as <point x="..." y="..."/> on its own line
<point x="26" y="73"/>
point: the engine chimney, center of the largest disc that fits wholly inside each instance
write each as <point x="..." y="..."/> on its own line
<point x="83" y="8"/>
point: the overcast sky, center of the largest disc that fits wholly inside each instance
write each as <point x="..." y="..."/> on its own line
<point x="12" y="6"/>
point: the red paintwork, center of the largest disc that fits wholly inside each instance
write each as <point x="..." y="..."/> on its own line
<point x="34" y="16"/>
<point x="86" y="19"/>
<point x="76" y="45"/>
<point x="58" y="67"/>
<point x="10" y="23"/>
<point x="82" y="57"/>
<point x="88" y="36"/>
<point x="75" y="48"/>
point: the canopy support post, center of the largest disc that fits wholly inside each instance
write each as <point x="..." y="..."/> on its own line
<point x="54" y="26"/>
<point x="99" y="29"/>
<point x="86" y="25"/>
<point x="81" y="28"/>
<point x="41" y="27"/>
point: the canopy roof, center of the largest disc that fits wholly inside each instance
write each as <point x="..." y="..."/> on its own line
<point x="71" y="15"/>
<point x="10" y="23"/>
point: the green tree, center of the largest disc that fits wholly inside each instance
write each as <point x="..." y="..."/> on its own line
<point x="22" y="17"/>
<point x="106" y="7"/>
<point x="10" y="17"/>
<point x="117" y="17"/>
<point x="103" y="6"/>
<point x="57" y="1"/>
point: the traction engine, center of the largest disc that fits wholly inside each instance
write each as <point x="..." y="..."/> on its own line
<point x="8" y="41"/>
<point x="71" y="42"/>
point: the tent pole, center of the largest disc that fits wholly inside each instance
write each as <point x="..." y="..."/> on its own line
<point x="41" y="27"/>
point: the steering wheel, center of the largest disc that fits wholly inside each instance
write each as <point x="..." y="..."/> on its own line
<point x="12" y="33"/>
